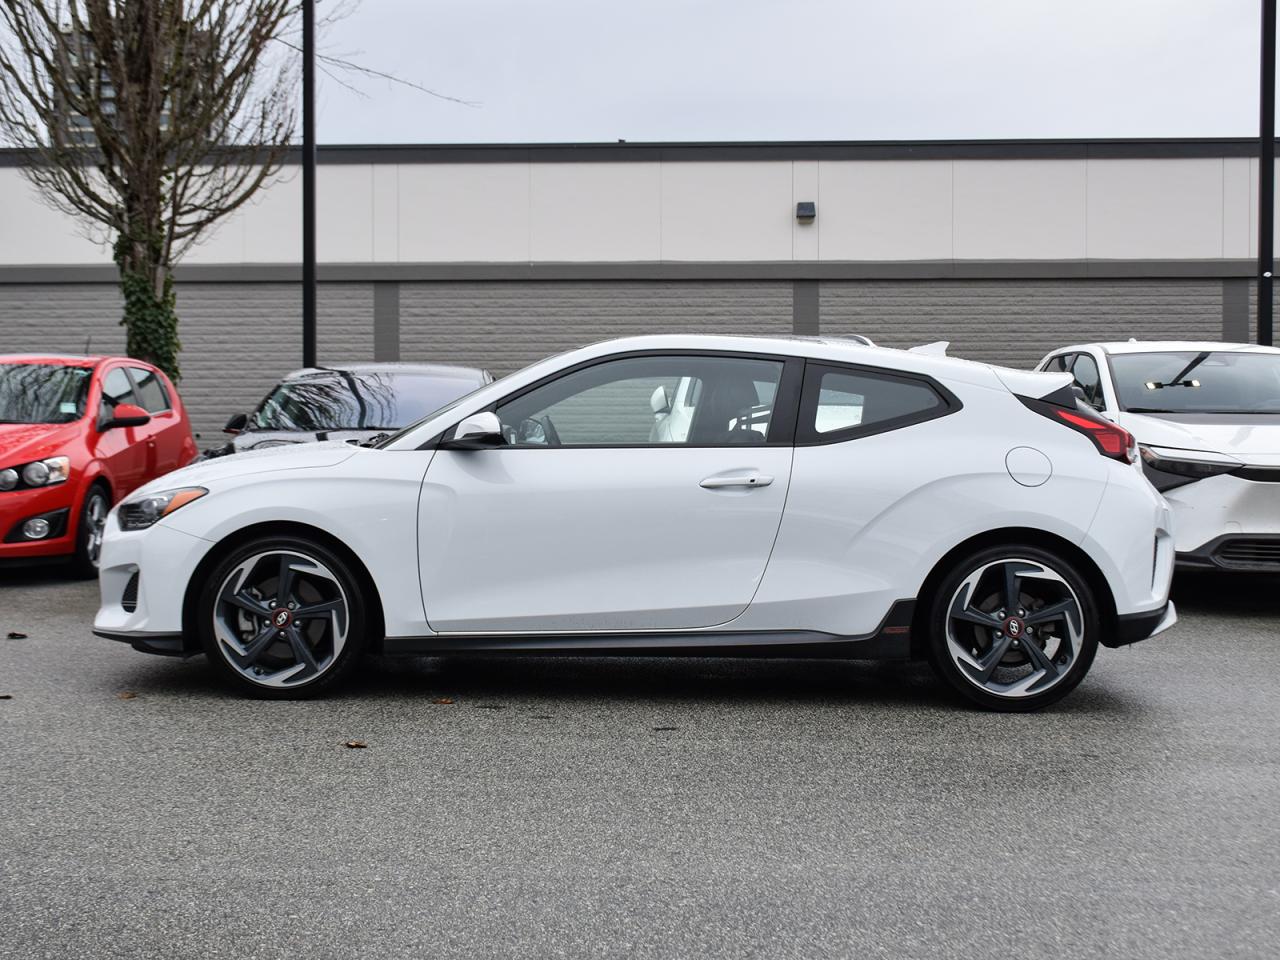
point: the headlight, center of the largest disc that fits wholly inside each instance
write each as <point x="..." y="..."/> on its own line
<point x="41" y="473"/>
<point x="1169" y="468"/>
<point x="143" y="512"/>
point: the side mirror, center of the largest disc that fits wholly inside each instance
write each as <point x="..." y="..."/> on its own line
<point x="479" y="431"/>
<point x="236" y="424"/>
<point x="127" y="415"/>
<point x="660" y="401"/>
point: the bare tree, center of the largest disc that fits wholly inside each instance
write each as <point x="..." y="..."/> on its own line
<point x="149" y="120"/>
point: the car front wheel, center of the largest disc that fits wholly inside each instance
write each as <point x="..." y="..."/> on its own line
<point x="1013" y="628"/>
<point x="282" y="618"/>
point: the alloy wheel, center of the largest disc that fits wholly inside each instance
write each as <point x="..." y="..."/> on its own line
<point x="95" y="524"/>
<point x="280" y="619"/>
<point x="1014" y="628"/>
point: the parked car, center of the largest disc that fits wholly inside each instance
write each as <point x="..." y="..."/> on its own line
<point x="1207" y="419"/>
<point x="971" y="515"/>
<point x="76" y="435"/>
<point x="352" y="402"/>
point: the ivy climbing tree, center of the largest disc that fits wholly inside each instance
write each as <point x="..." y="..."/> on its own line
<point x="150" y="121"/>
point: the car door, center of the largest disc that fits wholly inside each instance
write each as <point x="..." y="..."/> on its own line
<point x="122" y="450"/>
<point x="585" y="521"/>
<point x="164" y="435"/>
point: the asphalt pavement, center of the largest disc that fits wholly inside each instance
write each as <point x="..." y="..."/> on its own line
<point x="639" y="808"/>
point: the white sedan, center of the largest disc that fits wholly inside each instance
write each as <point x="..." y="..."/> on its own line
<point x="824" y="499"/>
<point x="1207" y="419"/>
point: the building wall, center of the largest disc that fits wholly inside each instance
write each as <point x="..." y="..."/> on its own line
<point x="661" y="210"/>
<point x="240" y="337"/>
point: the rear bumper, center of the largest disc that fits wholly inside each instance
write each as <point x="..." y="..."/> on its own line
<point x="1142" y="626"/>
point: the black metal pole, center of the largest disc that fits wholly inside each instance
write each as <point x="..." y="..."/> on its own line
<point x="1267" y="171"/>
<point x="309" y="183"/>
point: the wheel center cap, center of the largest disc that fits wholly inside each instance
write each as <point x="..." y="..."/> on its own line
<point x="1014" y="627"/>
<point x="281" y="618"/>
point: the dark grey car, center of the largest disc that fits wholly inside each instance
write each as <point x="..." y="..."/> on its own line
<point x="355" y="401"/>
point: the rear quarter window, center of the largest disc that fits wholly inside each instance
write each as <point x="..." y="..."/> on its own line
<point x="842" y="403"/>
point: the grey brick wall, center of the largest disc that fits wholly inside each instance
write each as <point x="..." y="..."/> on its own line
<point x="506" y="325"/>
<point x="1016" y="322"/>
<point x="239" y="338"/>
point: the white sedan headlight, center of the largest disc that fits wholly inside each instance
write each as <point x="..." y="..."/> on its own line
<point x="143" y="512"/>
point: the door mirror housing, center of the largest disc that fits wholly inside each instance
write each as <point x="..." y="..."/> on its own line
<point x="660" y="401"/>
<point x="127" y="415"/>
<point x="236" y="424"/>
<point x="479" y="431"/>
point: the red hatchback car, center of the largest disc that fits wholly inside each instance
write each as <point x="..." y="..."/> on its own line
<point x="77" y="434"/>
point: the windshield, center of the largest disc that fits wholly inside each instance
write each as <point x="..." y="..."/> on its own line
<point x="367" y="400"/>
<point x="1193" y="381"/>
<point x="42" y="392"/>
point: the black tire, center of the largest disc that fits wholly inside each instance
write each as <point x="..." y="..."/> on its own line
<point x="240" y="606"/>
<point x="89" y="526"/>
<point x="974" y="635"/>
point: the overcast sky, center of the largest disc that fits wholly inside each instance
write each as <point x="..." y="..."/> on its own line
<point x="600" y="70"/>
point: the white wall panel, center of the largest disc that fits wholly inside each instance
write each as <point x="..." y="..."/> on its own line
<point x="885" y="210"/>
<point x="456" y="212"/>
<point x="595" y="211"/>
<point x="33" y="232"/>
<point x="1019" y="209"/>
<point x="1155" y="209"/>
<point x="726" y="211"/>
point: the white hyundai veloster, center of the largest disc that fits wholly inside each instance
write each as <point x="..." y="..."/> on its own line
<point x="663" y="495"/>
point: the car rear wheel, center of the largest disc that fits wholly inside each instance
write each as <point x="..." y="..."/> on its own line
<point x="1013" y="628"/>
<point x="90" y="526"/>
<point x="282" y="618"/>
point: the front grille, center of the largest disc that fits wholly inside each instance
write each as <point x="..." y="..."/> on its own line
<point x="130" y="599"/>
<point x="1246" y="552"/>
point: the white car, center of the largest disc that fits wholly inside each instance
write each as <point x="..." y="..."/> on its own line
<point x="970" y="515"/>
<point x="1207" y="419"/>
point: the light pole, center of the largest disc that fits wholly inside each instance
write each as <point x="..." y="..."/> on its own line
<point x="309" y="182"/>
<point x="1266" y="171"/>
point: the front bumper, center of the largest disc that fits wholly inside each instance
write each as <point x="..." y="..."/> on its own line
<point x="55" y="503"/>
<point x="143" y="577"/>
<point x="1237" y="553"/>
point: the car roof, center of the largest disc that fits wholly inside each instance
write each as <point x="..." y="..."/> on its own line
<point x="1169" y="346"/>
<point x="64" y="359"/>
<point x="444" y="371"/>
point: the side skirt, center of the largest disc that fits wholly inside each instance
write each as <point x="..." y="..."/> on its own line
<point x="891" y="641"/>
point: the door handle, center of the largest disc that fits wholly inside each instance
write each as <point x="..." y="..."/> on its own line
<point x="742" y="480"/>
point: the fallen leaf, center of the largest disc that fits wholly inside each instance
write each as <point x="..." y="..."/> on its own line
<point x="355" y="744"/>
<point x="15" y="635"/>
<point x="443" y="700"/>
<point x="127" y="695"/>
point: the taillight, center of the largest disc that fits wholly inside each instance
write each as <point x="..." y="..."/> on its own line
<point x="1111" y="440"/>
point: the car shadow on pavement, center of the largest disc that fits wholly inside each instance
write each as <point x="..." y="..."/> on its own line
<point x="1227" y="593"/>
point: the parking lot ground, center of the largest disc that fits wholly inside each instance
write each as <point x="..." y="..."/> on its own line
<point x="649" y="808"/>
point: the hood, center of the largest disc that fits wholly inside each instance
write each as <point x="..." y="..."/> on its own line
<point x="1252" y="438"/>
<point x="266" y="439"/>
<point x="24" y="442"/>
<point x="292" y="457"/>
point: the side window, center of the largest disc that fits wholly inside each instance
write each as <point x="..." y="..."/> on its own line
<point x="154" y="397"/>
<point x="721" y="400"/>
<point x="840" y="403"/>
<point x="1060" y="364"/>
<point x="1085" y="372"/>
<point x="116" y="389"/>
